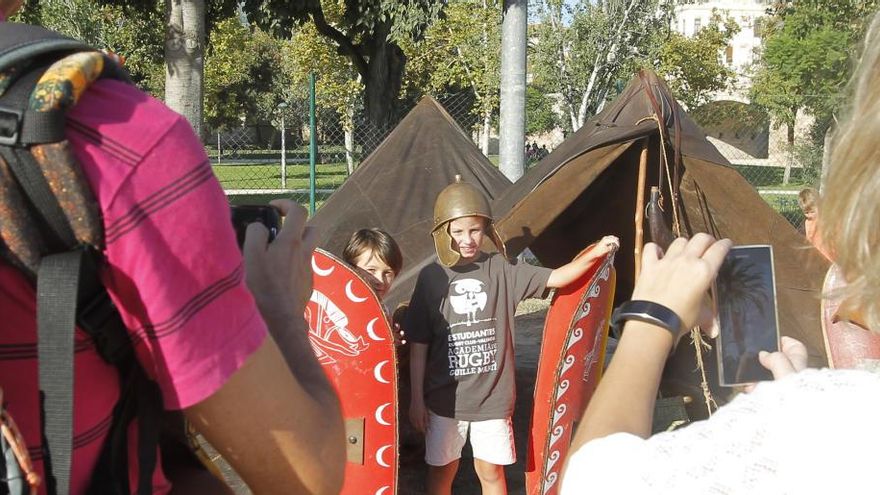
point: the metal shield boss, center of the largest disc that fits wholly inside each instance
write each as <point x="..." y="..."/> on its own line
<point x="458" y="200"/>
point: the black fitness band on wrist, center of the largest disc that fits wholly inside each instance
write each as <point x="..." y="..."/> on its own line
<point x="647" y="312"/>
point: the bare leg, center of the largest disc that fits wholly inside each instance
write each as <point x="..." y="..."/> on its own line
<point x="491" y="477"/>
<point x="440" y="478"/>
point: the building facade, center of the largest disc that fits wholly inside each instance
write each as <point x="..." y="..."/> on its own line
<point x="741" y="53"/>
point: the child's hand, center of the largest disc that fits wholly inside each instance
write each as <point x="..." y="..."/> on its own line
<point x="608" y="244"/>
<point x="399" y="335"/>
<point x="418" y="414"/>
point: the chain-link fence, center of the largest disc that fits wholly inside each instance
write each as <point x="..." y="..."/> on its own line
<point x="257" y="163"/>
<point x="778" y="160"/>
<point x="253" y="169"/>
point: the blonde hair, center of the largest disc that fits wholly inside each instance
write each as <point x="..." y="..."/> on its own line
<point x="851" y="198"/>
<point x="807" y="199"/>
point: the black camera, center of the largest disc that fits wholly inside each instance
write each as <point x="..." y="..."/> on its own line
<point x="244" y="215"/>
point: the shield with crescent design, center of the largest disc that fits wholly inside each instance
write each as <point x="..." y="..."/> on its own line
<point x="352" y="338"/>
<point x="571" y="361"/>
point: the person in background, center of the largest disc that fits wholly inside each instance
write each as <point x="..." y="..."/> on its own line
<point x="808" y="200"/>
<point x="805" y="432"/>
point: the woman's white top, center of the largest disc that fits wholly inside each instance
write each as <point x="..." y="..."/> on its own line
<point x="817" y="431"/>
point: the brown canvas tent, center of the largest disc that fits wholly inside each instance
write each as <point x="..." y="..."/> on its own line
<point x="394" y="189"/>
<point x="587" y="188"/>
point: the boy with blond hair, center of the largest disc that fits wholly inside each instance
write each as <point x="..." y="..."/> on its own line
<point x="460" y="326"/>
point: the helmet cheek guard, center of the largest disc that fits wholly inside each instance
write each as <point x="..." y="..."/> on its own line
<point x="458" y="200"/>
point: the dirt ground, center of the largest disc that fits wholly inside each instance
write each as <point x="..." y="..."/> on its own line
<point x="529" y="328"/>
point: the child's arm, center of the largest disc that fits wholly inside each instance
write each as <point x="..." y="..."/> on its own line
<point x="418" y="413"/>
<point x="570" y="272"/>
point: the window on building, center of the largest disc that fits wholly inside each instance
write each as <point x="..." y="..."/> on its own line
<point x="698" y="23"/>
<point x="758" y="27"/>
<point x="728" y="54"/>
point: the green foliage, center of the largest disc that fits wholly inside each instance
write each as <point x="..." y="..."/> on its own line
<point x="540" y="116"/>
<point x="215" y="10"/>
<point x="367" y="32"/>
<point x="359" y="20"/>
<point x="581" y="49"/>
<point x="692" y="66"/>
<point x="460" y="52"/>
<point x="338" y="86"/>
<point x="138" y="35"/>
<point x="805" y="64"/>
<point x="239" y="71"/>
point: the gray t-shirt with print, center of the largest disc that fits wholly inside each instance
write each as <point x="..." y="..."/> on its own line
<point x="465" y="315"/>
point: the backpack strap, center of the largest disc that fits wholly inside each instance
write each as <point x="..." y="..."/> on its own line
<point x="62" y="250"/>
<point x="23" y="47"/>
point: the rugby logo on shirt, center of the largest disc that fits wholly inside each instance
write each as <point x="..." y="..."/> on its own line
<point x="469" y="298"/>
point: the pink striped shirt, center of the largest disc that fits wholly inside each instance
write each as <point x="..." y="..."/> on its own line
<point x="173" y="270"/>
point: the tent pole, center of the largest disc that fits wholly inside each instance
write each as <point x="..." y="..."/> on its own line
<point x="640" y="208"/>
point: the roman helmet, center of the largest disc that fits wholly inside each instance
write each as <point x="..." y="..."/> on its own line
<point x="458" y="200"/>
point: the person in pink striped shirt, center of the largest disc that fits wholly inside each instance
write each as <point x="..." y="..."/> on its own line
<point x="179" y="281"/>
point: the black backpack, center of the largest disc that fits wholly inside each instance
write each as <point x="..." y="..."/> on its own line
<point x="51" y="230"/>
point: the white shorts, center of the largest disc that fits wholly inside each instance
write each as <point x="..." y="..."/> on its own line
<point x="491" y="440"/>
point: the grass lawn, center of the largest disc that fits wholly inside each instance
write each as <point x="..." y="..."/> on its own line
<point x="787" y="206"/>
<point x="263" y="199"/>
<point x="261" y="176"/>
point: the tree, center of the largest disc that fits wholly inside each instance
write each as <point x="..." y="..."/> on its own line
<point x="582" y="60"/>
<point x="461" y="51"/>
<point x="368" y="33"/>
<point x="185" y="58"/>
<point x="805" y="64"/>
<point x="136" y="35"/>
<point x="540" y="116"/>
<point x="186" y="24"/>
<point x="693" y="67"/>
<point x="243" y="75"/>
<point x="338" y="87"/>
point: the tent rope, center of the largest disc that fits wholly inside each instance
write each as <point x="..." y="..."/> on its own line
<point x="696" y="335"/>
<point x="676" y="225"/>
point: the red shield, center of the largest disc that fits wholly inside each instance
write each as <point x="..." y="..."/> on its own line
<point x="847" y="345"/>
<point x="572" y="357"/>
<point x="351" y="336"/>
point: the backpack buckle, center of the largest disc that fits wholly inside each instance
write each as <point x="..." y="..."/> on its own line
<point x="10" y="125"/>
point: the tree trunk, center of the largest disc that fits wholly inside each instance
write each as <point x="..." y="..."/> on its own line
<point x="184" y="59"/>
<point x="485" y="135"/>
<point x="604" y="65"/>
<point x="513" y="88"/>
<point x="575" y="125"/>
<point x="826" y="156"/>
<point x="349" y="148"/>
<point x="384" y="77"/>
<point x="786" y="174"/>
